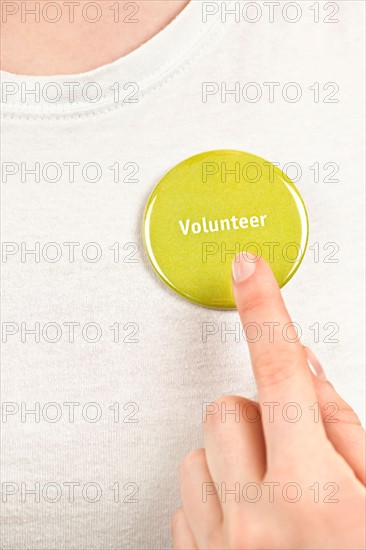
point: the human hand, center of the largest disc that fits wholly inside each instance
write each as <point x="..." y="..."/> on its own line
<point x="286" y="473"/>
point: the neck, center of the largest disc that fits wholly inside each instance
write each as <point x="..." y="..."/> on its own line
<point x="34" y="45"/>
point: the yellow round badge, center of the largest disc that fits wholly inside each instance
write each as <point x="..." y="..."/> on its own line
<point x="213" y="206"/>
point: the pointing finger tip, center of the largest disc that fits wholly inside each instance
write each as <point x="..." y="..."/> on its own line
<point x="244" y="266"/>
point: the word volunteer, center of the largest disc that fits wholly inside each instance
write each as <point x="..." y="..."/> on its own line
<point x="211" y="226"/>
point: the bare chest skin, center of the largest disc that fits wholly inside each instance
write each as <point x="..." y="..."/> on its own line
<point x="38" y="38"/>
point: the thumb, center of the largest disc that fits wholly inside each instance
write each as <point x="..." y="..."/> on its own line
<point x="342" y="425"/>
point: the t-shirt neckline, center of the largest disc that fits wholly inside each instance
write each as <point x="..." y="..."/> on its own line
<point x="122" y="82"/>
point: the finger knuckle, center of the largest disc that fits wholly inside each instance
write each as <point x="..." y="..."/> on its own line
<point x="251" y="306"/>
<point x="192" y="459"/>
<point x="249" y="539"/>
<point x="272" y="369"/>
<point x="226" y="409"/>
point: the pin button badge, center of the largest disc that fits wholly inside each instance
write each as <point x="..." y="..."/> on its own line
<point x="214" y="205"/>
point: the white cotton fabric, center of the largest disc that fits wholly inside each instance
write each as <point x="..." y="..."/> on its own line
<point x="162" y="379"/>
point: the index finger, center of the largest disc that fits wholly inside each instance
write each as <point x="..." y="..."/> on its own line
<point x="283" y="378"/>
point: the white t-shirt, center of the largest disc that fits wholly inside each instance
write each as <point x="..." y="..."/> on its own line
<point x="119" y="367"/>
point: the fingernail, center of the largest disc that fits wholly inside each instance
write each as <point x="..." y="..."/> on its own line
<point x="314" y="364"/>
<point x="244" y="265"/>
